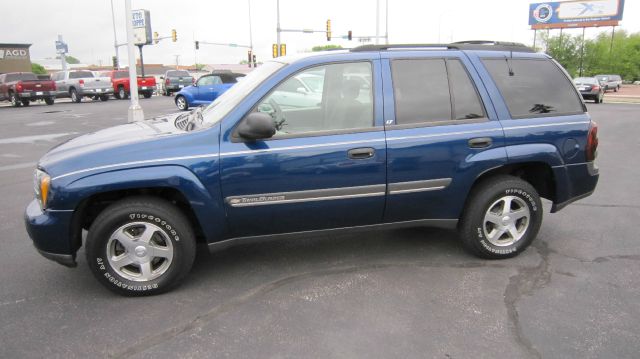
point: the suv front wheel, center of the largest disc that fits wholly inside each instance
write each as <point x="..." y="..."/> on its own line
<point x="502" y="217"/>
<point x="140" y="246"/>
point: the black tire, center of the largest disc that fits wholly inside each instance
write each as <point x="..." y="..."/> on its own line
<point x="15" y="100"/>
<point x="181" y="103"/>
<point x="484" y="200"/>
<point x="615" y="89"/>
<point x="74" y="96"/>
<point x="168" y="224"/>
<point x="104" y="98"/>
<point x="147" y="94"/>
<point x="26" y="102"/>
<point x="121" y="93"/>
<point x="49" y="100"/>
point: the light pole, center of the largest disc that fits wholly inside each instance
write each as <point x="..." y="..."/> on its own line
<point x="115" y="36"/>
<point x="278" y="25"/>
<point x="377" y="22"/>
<point x="250" y="32"/>
<point x="135" y="111"/>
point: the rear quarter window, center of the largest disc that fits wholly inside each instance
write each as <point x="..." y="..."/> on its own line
<point x="533" y="87"/>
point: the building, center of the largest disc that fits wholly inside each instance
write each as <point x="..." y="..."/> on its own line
<point x="15" y="58"/>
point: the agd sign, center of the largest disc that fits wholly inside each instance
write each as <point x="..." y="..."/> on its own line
<point x="13" y="54"/>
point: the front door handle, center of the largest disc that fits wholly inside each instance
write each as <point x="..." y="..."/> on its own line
<point x="361" y="153"/>
<point x="480" y="142"/>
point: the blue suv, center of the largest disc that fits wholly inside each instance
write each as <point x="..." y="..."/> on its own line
<point x="206" y="89"/>
<point x="464" y="135"/>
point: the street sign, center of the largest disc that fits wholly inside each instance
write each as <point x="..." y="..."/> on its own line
<point x="142" y="34"/>
<point x="61" y="47"/>
<point x="583" y="13"/>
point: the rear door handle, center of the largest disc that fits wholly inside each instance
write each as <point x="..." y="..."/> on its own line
<point x="480" y="142"/>
<point x="361" y="153"/>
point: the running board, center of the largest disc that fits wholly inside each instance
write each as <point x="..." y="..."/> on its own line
<point x="232" y="242"/>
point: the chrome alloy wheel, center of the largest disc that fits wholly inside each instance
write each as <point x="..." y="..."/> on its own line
<point x="139" y="251"/>
<point x="182" y="103"/>
<point x="506" y="221"/>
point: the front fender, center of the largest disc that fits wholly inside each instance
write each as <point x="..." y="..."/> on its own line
<point x="187" y="95"/>
<point x="206" y="207"/>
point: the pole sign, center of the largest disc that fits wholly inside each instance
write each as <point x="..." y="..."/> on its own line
<point x="61" y="48"/>
<point x="142" y="34"/>
<point x="584" y="13"/>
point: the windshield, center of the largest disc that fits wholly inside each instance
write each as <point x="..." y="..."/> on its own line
<point x="178" y="74"/>
<point x="585" y="80"/>
<point x="232" y="97"/>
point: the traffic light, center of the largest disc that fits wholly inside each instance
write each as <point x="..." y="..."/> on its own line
<point x="255" y="63"/>
<point x="283" y="49"/>
<point x="249" y="57"/>
<point x="328" y="30"/>
<point x="274" y="49"/>
<point x="349" y="35"/>
<point x="197" y="45"/>
<point x="174" y="35"/>
<point x="155" y="37"/>
<point x="115" y="62"/>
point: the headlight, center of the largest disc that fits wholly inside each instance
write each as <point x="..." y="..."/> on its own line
<point x="41" y="184"/>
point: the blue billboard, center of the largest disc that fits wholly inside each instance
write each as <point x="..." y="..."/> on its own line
<point x="575" y="13"/>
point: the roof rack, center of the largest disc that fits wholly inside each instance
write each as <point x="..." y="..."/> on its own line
<point x="461" y="45"/>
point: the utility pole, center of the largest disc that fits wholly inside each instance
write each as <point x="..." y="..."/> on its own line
<point x="386" y="22"/>
<point x="177" y="60"/>
<point x="135" y="111"/>
<point x="115" y="36"/>
<point x="278" y="25"/>
<point x="377" y="22"/>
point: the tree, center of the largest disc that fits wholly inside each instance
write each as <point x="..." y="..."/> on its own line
<point x="199" y="67"/>
<point x="72" y="60"/>
<point x="326" y="47"/>
<point x="38" y="69"/>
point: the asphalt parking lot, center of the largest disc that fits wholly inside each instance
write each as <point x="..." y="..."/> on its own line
<point x="410" y="293"/>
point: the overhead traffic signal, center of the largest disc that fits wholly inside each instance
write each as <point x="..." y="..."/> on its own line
<point x="155" y="37"/>
<point x="283" y="49"/>
<point x="115" y="62"/>
<point x="349" y="35"/>
<point x="249" y="57"/>
<point x="328" y="30"/>
<point x="174" y="35"/>
<point x="274" y="50"/>
<point x="197" y="45"/>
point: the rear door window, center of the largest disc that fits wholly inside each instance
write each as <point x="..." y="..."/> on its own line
<point x="80" y="74"/>
<point x="534" y="86"/>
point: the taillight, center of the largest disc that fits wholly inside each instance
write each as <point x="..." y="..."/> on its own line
<point x="595" y="88"/>
<point x="19" y="87"/>
<point x="592" y="142"/>
<point x="81" y="82"/>
<point x="168" y="82"/>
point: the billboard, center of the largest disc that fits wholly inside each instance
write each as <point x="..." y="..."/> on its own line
<point x="142" y="34"/>
<point x="584" y="13"/>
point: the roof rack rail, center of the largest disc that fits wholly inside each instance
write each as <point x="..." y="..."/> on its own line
<point x="461" y="45"/>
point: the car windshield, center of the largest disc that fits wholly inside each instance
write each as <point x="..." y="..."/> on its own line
<point x="178" y="74"/>
<point x="27" y="76"/>
<point x="232" y="97"/>
<point x="585" y="80"/>
<point x="602" y="78"/>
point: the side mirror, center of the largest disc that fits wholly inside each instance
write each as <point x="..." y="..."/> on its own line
<point x="161" y="77"/>
<point x="256" y="126"/>
<point x="301" y="90"/>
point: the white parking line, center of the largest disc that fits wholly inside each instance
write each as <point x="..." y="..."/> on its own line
<point x="32" y="139"/>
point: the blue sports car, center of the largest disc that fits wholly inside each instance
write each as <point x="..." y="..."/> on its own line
<point x="206" y="89"/>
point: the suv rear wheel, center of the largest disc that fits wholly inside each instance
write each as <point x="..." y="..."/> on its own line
<point x="140" y="246"/>
<point x="502" y="217"/>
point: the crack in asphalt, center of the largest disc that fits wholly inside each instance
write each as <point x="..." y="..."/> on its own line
<point x="525" y="282"/>
<point x="602" y="259"/>
<point x="202" y="319"/>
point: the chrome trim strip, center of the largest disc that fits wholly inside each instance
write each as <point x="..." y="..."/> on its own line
<point x="572" y="164"/>
<point x="548" y="125"/>
<point x="265" y="150"/>
<point x="419" y="186"/>
<point x="442" y="134"/>
<point x="124" y="164"/>
<point x="306" y="196"/>
<point x="438" y="223"/>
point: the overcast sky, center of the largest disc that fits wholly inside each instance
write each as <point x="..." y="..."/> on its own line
<point x="86" y="25"/>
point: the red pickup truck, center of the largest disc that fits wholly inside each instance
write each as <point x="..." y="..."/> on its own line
<point x="120" y="82"/>
<point x="23" y="87"/>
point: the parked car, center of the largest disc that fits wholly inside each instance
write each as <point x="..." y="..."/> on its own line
<point x="121" y="85"/>
<point x="467" y="136"/>
<point x="590" y="88"/>
<point x="206" y="89"/>
<point x="82" y="83"/>
<point x="610" y="82"/>
<point x="20" y="88"/>
<point x="174" y="81"/>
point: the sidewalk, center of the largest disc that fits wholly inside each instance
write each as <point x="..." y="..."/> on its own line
<point x="626" y="94"/>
